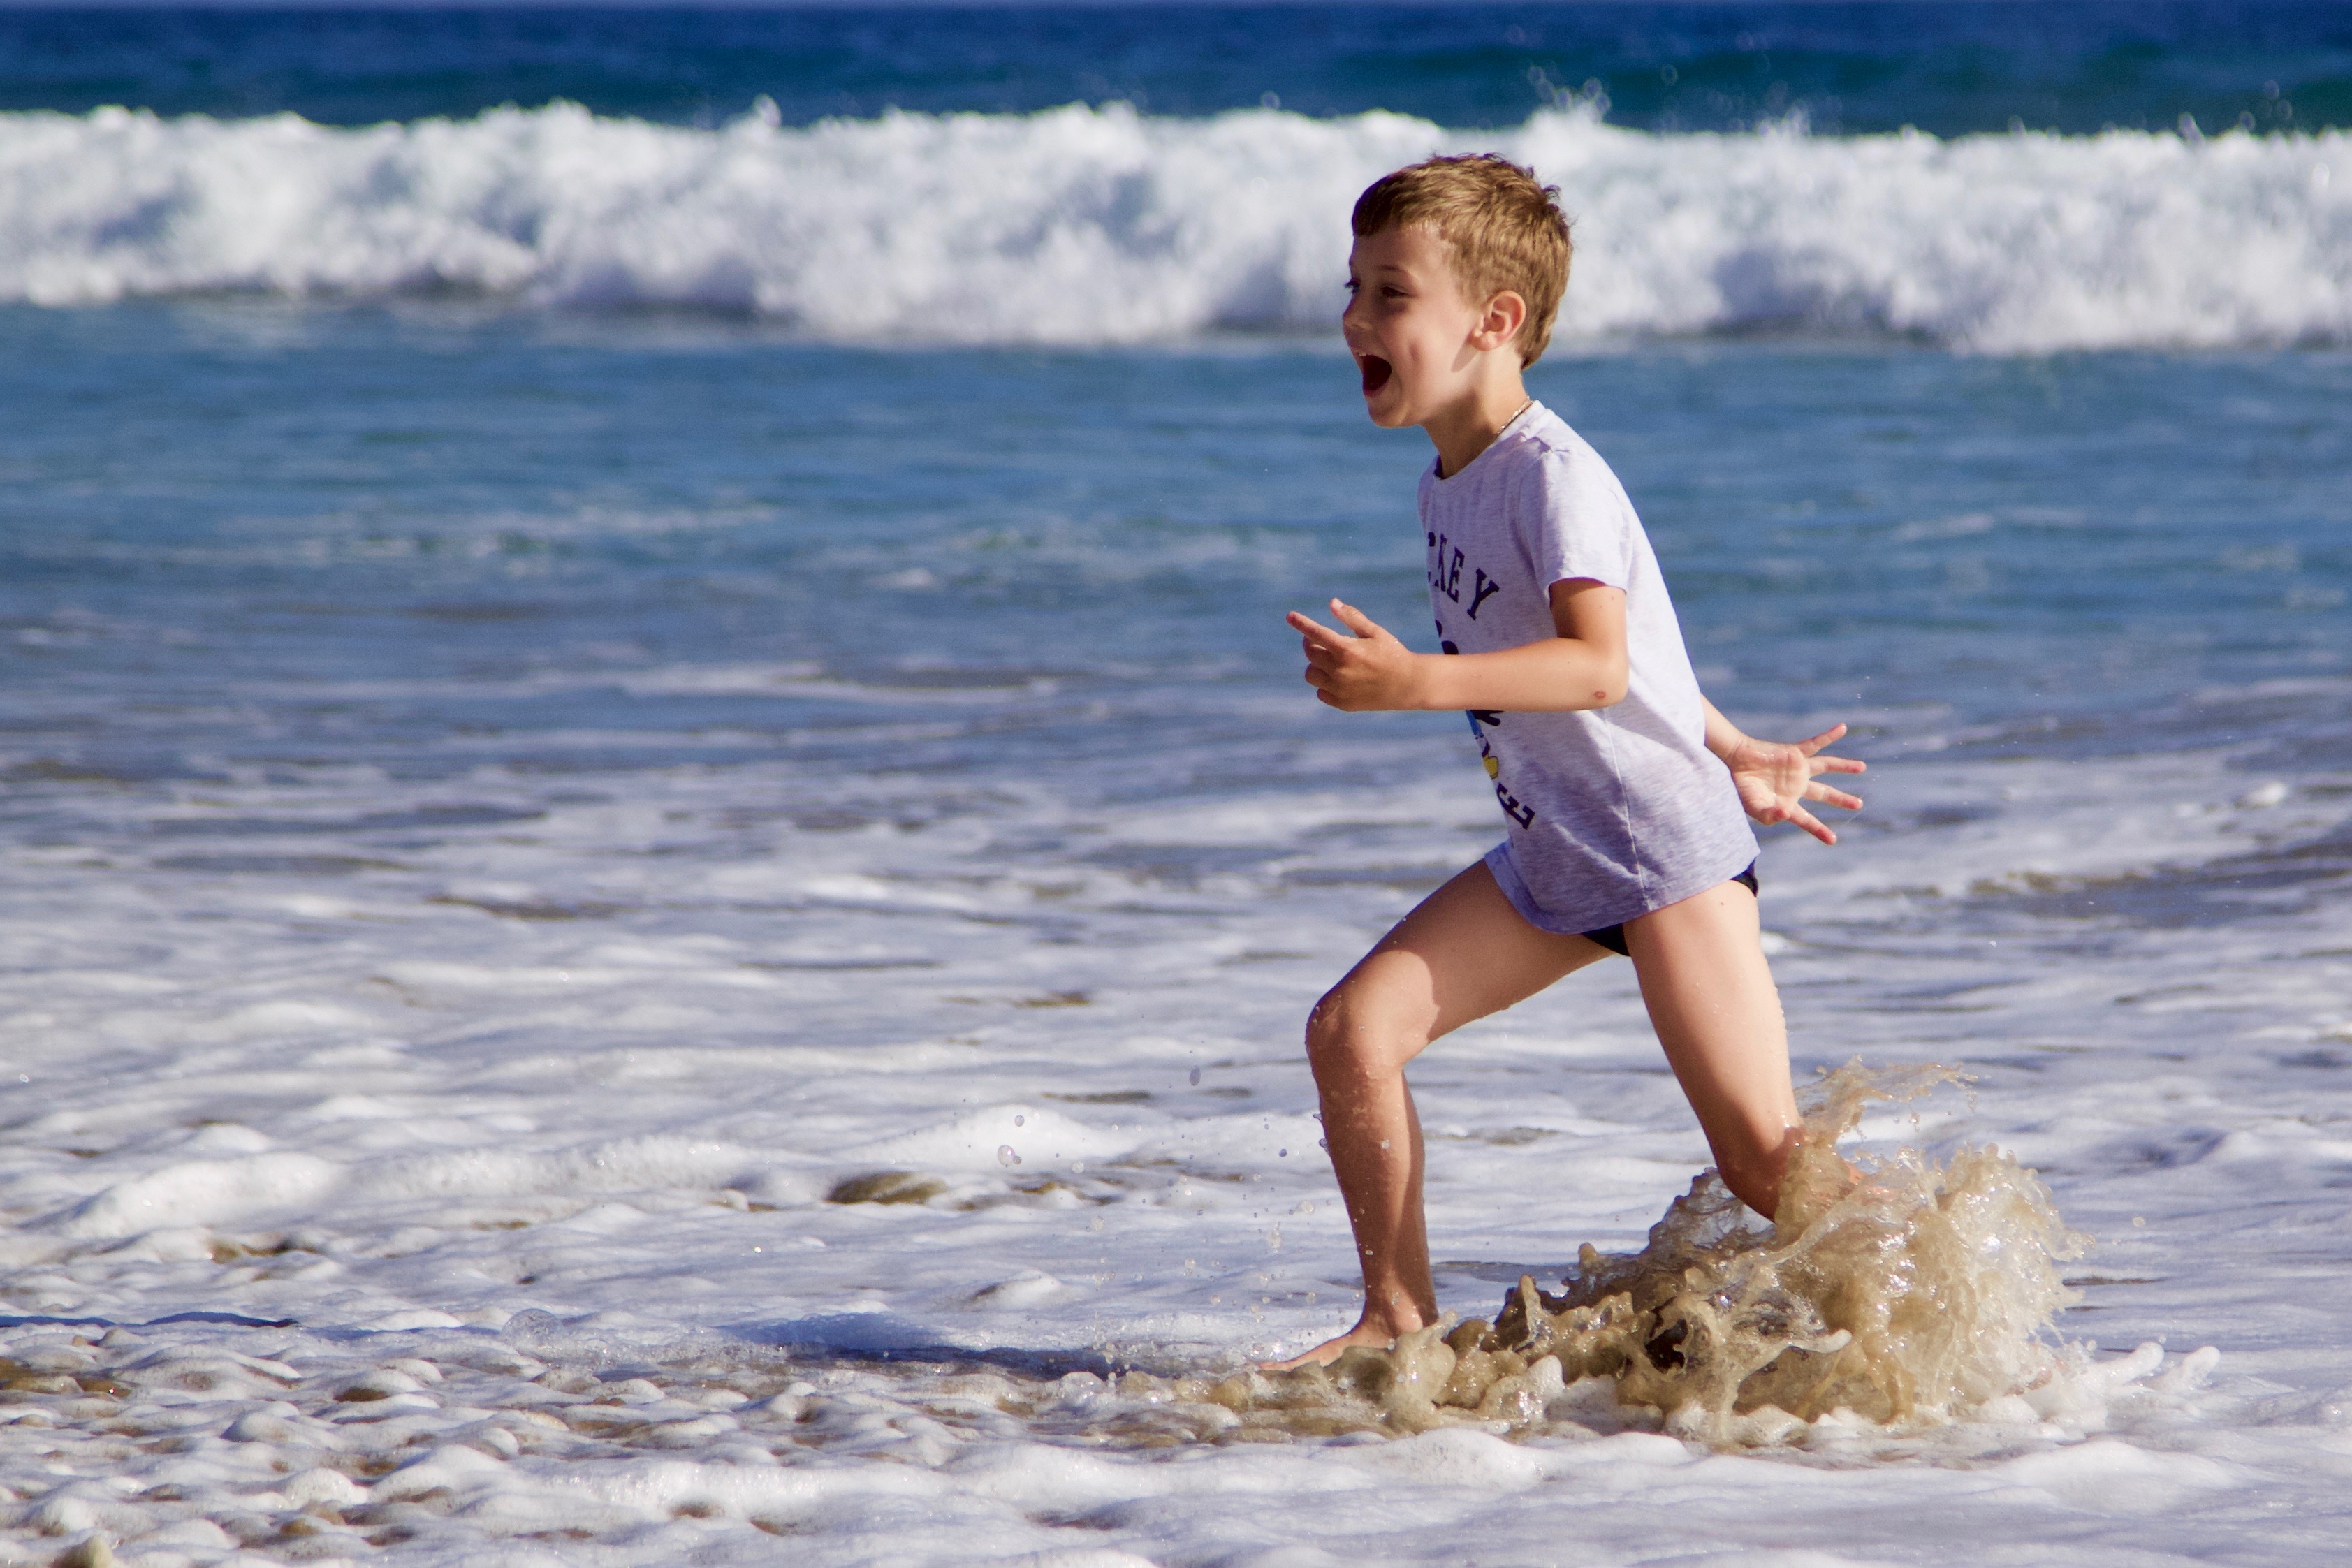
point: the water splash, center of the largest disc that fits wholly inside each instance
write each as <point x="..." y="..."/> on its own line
<point x="1904" y="1292"/>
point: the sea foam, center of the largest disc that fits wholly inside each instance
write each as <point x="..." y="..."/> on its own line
<point x="1087" y="225"/>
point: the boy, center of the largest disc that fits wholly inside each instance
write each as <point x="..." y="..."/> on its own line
<point x="1623" y="834"/>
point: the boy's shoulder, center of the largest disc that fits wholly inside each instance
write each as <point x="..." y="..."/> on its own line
<point x="1540" y="434"/>
<point x="1543" y="463"/>
<point x="1538" y="442"/>
<point x="1539" y="475"/>
<point x="1536" y="438"/>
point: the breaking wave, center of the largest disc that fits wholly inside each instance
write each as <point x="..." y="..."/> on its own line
<point x="1086" y="225"/>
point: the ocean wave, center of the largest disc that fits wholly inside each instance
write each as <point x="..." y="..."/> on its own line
<point x="1088" y="225"/>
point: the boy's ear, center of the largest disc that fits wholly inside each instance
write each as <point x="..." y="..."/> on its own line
<point x="1504" y="314"/>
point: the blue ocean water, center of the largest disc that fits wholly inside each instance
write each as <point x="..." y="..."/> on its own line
<point x="1948" y="68"/>
<point x="215" y="508"/>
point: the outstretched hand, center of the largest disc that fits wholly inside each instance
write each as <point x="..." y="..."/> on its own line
<point x="1363" y="674"/>
<point x="1776" y="777"/>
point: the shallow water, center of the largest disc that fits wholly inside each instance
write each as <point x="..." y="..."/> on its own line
<point x="513" y="818"/>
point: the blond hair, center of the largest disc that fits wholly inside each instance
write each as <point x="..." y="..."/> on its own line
<point x="1503" y="225"/>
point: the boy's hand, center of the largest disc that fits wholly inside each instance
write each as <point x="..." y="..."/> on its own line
<point x="1775" y="777"/>
<point x="1367" y="672"/>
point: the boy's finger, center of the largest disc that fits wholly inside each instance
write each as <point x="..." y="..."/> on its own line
<point x="1839" y="765"/>
<point x="1311" y="629"/>
<point x="1812" y="824"/>
<point x="1837" y="798"/>
<point x="1810" y="746"/>
<point x="1355" y="619"/>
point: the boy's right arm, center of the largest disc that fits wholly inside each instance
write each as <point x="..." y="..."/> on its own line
<point x="1580" y="668"/>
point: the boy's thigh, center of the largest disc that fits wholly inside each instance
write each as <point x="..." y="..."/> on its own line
<point x="1462" y="953"/>
<point x="1711" y="998"/>
<point x="1709" y="945"/>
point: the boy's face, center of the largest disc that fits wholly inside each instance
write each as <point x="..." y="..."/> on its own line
<point x="1410" y="327"/>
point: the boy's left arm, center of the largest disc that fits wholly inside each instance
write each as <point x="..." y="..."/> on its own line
<point x="1775" y="777"/>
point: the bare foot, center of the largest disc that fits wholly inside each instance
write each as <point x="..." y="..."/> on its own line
<point x="1331" y="1350"/>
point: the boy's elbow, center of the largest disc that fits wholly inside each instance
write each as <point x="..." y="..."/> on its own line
<point x="1609" y="690"/>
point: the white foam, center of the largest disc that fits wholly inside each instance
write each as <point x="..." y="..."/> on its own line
<point x="1000" y="1135"/>
<point x="437" y="1135"/>
<point x="1100" y="226"/>
<point x="192" y="1192"/>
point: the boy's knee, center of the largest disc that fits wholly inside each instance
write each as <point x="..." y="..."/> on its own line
<point x="1325" y="1030"/>
<point x="1351" y="1039"/>
<point x="1335" y="1045"/>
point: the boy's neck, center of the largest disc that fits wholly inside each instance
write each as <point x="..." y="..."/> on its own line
<point x="1465" y="429"/>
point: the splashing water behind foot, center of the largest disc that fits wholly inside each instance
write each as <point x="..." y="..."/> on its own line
<point x="1906" y="1295"/>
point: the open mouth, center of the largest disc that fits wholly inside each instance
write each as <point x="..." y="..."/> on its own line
<point x="1376" y="371"/>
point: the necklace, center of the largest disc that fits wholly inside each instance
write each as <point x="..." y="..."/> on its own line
<point x="1506" y="425"/>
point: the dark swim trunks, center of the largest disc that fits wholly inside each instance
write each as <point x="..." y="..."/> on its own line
<point x="1613" y="937"/>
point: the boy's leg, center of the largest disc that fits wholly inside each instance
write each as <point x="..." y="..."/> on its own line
<point x="1462" y="953"/>
<point x="1712" y="1000"/>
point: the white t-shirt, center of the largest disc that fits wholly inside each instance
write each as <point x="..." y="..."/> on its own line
<point x="1612" y="813"/>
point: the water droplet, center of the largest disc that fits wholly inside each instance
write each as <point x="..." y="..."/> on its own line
<point x="1282" y="1153"/>
<point x="1005" y="1156"/>
<point x="1196" y="1078"/>
<point x="1078" y="1167"/>
<point x="1020" y="1120"/>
